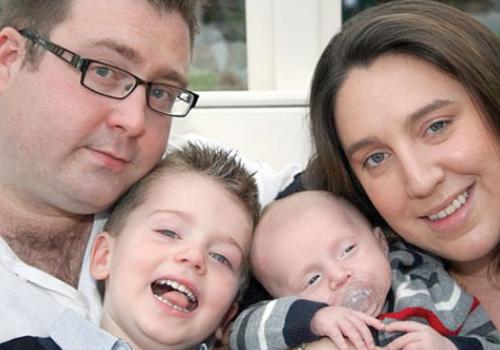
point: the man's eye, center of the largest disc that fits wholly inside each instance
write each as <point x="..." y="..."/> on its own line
<point x="313" y="279"/>
<point x="102" y="71"/>
<point x="221" y="259"/>
<point x="158" y="93"/>
<point x="169" y="233"/>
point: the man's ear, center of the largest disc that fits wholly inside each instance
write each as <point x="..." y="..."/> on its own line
<point x="100" y="257"/>
<point x="379" y="235"/>
<point x="12" y="50"/>
<point x="222" y="331"/>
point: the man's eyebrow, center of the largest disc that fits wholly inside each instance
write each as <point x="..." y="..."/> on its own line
<point x="171" y="75"/>
<point x="136" y="58"/>
<point x="123" y="50"/>
<point x="411" y="119"/>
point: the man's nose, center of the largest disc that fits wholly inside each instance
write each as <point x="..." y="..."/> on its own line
<point x="129" y="114"/>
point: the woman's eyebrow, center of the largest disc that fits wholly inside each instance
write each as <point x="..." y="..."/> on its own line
<point x="359" y="145"/>
<point x="411" y="119"/>
<point x="421" y="112"/>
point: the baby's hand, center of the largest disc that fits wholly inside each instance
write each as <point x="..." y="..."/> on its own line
<point x="337" y="322"/>
<point x="418" y="337"/>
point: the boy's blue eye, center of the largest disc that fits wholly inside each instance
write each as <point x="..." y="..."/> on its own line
<point x="221" y="259"/>
<point x="169" y="233"/>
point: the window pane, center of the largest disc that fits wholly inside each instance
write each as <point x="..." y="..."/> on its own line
<point x="220" y="52"/>
<point x="486" y="11"/>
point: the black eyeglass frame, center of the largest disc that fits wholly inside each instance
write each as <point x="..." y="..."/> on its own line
<point x="82" y="64"/>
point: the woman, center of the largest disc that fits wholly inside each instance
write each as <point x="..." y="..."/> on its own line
<point x="405" y="114"/>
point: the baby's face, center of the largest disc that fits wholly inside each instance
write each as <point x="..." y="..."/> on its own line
<point x="320" y="255"/>
<point x="175" y="268"/>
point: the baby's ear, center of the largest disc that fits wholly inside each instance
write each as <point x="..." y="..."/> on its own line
<point x="379" y="235"/>
<point x="221" y="334"/>
<point x="100" y="258"/>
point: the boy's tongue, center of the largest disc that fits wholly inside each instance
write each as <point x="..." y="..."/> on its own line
<point x="177" y="298"/>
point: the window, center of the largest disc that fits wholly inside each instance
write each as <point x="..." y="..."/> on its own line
<point x="220" y="53"/>
<point x="268" y="67"/>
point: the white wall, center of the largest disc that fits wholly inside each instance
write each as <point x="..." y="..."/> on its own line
<point x="265" y="127"/>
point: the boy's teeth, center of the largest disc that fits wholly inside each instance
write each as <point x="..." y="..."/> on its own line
<point x="180" y="287"/>
<point x="450" y="209"/>
<point x="173" y="306"/>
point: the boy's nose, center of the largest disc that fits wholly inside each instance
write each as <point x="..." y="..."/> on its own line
<point x="194" y="257"/>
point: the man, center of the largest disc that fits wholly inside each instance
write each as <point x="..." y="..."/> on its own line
<point x="87" y="94"/>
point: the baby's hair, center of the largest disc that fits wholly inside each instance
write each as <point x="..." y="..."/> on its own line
<point x="215" y="163"/>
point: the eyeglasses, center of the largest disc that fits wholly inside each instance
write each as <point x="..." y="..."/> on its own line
<point x="110" y="81"/>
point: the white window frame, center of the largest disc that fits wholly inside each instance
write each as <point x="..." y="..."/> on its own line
<point x="267" y="123"/>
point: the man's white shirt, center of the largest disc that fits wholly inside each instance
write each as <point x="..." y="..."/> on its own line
<point x="31" y="299"/>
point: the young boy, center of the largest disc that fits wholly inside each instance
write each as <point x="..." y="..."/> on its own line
<point x="333" y="273"/>
<point x="173" y="258"/>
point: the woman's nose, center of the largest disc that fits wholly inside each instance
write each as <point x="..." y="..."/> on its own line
<point x="422" y="174"/>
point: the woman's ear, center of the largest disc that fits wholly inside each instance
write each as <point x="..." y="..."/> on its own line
<point x="12" y="50"/>
<point x="222" y="331"/>
<point x="382" y="241"/>
<point x="100" y="258"/>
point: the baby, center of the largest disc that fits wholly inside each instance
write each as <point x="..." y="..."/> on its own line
<point x="341" y="275"/>
<point x="173" y="258"/>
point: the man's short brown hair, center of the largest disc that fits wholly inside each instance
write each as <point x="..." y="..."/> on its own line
<point x="43" y="16"/>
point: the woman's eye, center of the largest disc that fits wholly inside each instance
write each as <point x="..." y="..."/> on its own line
<point x="169" y="233"/>
<point x="313" y="279"/>
<point x="347" y="250"/>
<point x="375" y="159"/>
<point x="436" y="127"/>
<point x="221" y="259"/>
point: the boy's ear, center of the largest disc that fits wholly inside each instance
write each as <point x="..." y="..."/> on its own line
<point x="222" y="332"/>
<point x="100" y="258"/>
<point x="12" y="49"/>
<point x="379" y="235"/>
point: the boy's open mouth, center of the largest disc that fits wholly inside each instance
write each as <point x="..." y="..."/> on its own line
<point x="175" y="295"/>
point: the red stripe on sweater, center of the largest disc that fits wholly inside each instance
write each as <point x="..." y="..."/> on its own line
<point x="430" y="316"/>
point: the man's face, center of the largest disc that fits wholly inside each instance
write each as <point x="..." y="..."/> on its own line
<point x="64" y="147"/>
<point x="174" y="269"/>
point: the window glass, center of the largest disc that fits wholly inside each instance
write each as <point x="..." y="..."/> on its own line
<point x="220" y="51"/>
<point x="486" y="11"/>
